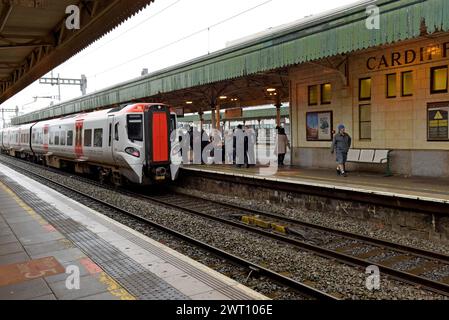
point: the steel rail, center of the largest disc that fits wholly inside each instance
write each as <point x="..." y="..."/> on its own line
<point x="301" y="287"/>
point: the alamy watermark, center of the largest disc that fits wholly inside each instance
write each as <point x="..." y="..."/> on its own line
<point x="373" y="279"/>
<point x="233" y="147"/>
<point x="73" y="21"/>
<point x="373" y="17"/>
<point x="73" y="281"/>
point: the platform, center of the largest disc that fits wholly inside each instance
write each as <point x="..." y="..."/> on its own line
<point x="416" y="188"/>
<point x="47" y="238"/>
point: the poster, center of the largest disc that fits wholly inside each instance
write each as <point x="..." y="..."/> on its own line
<point x="319" y="126"/>
<point x="437" y="122"/>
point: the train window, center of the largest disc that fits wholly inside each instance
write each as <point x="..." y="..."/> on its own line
<point x="52" y="139"/>
<point x="172" y="123"/>
<point x="62" y="138"/>
<point x="88" y="138"/>
<point x="70" y="138"/>
<point x="116" y="136"/>
<point x="98" y="138"/>
<point x="110" y="134"/>
<point x="135" y="127"/>
<point x="57" y="139"/>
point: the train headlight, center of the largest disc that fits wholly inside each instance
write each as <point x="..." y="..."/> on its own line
<point x="133" y="151"/>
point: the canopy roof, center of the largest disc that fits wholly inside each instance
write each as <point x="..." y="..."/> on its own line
<point x="331" y="34"/>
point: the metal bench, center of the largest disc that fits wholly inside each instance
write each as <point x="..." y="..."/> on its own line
<point x="371" y="156"/>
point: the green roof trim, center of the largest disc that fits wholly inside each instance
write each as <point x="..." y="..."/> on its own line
<point x="339" y="32"/>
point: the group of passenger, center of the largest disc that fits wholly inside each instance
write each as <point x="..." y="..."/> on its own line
<point x="243" y="141"/>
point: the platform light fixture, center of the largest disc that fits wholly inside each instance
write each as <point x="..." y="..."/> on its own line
<point x="271" y="90"/>
<point x="223" y="97"/>
<point x="189" y="102"/>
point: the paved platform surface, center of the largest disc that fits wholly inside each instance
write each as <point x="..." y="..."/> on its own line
<point x="428" y="189"/>
<point x="46" y="239"/>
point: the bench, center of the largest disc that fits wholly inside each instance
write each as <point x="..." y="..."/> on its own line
<point x="371" y="156"/>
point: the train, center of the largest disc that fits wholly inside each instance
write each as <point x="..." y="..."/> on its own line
<point x="127" y="144"/>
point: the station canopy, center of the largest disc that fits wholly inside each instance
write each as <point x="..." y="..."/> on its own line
<point x="245" y="70"/>
<point x="34" y="38"/>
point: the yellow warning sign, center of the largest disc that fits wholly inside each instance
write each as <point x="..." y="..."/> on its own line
<point x="438" y="122"/>
<point x="438" y="116"/>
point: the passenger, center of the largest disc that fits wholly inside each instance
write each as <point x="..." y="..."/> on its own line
<point x="282" y="144"/>
<point x="341" y="145"/>
<point x="205" y="140"/>
<point x="240" y="144"/>
<point x="251" y="150"/>
<point x="228" y="147"/>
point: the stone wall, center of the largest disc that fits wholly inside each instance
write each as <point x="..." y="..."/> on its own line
<point x="407" y="222"/>
<point x="396" y="123"/>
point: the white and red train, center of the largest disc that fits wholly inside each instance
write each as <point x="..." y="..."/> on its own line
<point x="128" y="143"/>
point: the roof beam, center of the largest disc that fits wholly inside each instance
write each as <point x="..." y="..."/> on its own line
<point x="97" y="18"/>
<point x="24" y="45"/>
<point x="4" y="14"/>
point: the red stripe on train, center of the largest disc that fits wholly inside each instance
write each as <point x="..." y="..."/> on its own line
<point x="79" y="138"/>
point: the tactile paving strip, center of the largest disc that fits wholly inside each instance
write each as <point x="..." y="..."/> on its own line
<point x="210" y="280"/>
<point x="139" y="282"/>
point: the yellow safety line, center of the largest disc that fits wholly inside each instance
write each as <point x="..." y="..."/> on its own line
<point x="113" y="287"/>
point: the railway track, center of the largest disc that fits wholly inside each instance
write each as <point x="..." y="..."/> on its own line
<point x="91" y="201"/>
<point x="349" y="248"/>
<point x="404" y="263"/>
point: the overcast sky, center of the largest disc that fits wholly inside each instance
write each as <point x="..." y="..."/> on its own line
<point x="141" y="42"/>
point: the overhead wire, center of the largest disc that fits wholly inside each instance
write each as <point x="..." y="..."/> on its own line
<point x="182" y="38"/>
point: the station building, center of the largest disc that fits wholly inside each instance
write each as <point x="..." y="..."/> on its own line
<point x="387" y="85"/>
<point x="389" y="97"/>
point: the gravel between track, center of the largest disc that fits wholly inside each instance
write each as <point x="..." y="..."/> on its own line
<point x="335" y="278"/>
<point x="348" y="224"/>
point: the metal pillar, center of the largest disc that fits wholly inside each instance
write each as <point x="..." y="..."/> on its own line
<point x="201" y="113"/>
<point x="278" y="106"/>
<point x="212" y="117"/>
<point x="218" y="117"/>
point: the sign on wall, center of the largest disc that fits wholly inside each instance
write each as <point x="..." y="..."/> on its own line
<point x="236" y="113"/>
<point x="438" y="122"/>
<point x="319" y="126"/>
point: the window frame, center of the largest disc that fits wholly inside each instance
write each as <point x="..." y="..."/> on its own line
<point x="69" y="134"/>
<point x="360" y="122"/>
<point x="388" y="87"/>
<point x="116" y="132"/>
<point x="128" y="118"/>
<point x="84" y="138"/>
<point x="402" y="84"/>
<point x="95" y="145"/>
<point x="317" y="95"/>
<point x="432" y="80"/>
<point x="322" y="91"/>
<point x="360" y="89"/>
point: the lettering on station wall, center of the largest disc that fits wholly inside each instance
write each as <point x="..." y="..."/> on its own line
<point x="408" y="57"/>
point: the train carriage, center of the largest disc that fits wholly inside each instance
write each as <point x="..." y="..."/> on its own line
<point x="126" y="144"/>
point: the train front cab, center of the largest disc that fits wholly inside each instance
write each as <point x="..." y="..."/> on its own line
<point x="158" y="128"/>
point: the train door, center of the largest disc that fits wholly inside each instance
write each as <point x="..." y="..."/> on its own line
<point x="79" y="138"/>
<point x="157" y="135"/>
<point x="45" y="140"/>
<point x="111" y="136"/>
